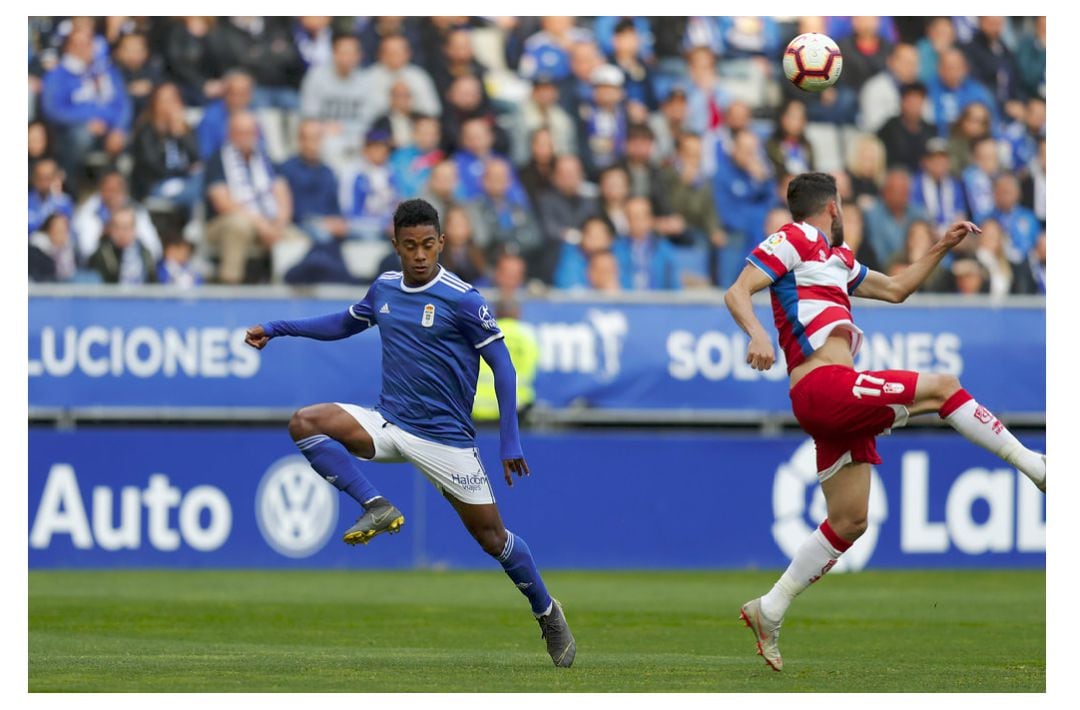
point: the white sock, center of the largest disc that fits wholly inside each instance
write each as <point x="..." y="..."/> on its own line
<point x="812" y="560"/>
<point x="979" y="426"/>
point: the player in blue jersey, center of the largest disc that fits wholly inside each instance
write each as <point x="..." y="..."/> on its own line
<point x="434" y="329"/>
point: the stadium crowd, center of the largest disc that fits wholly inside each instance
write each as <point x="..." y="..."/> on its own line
<point x="606" y="153"/>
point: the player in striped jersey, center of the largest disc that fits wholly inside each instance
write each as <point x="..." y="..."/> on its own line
<point x="811" y="274"/>
<point x="434" y="329"/>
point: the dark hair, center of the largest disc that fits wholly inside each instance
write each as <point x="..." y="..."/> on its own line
<point x="128" y="35"/>
<point x="779" y="134"/>
<point x="415" y="213"/>
<point x="596" y="218"/>
<point x="48" y="223"/>
<point x="341" y="36"/>
<point x="808" y="193"/>
<point x="111" y="172"/>
<point x="639" y="130"/>
<point x="615" y="168"/>
<point x="915" y="87"/>
<point x="624" y="24"/>
<point x="175" y="239"/>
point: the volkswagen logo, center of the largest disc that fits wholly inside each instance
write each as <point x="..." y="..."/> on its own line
<point x="794" y="523"/>
<point x="295" y="508"/>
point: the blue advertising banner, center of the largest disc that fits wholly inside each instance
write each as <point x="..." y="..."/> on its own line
<point x="244" y="498"/>
<point x="189" y="353"/>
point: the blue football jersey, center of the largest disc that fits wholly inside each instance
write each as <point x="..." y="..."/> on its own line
<point x="431" y="339"/>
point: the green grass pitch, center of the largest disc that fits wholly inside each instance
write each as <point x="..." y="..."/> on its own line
<point x="424" y="631"/>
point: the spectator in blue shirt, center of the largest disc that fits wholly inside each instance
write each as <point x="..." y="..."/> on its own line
<point x="888" y="220"/>
<point x="46" y="195"/>
<point x="602" y="123"/>
<point x="572" y="269"/>
<point x="952" y="89"/>
<point x="935" y="190"/>
<point x="940" y="36"/>
<point x="607" y="28"/>
<point x="744" y="190"/>
<point x="842" y="26"/>
<point x="576" y="89"/>
<point x="1023" y="136"/>
<point x="625" y="54"/>
<point x="411" y="165"/>
<point x="749" y="36"/>
<point x="176" y="267"/>
<point x="86" y="103"/>
<point x="314" y="187"/>
<point x="1018" y="221"/>
<point x="647" y="261"/>
<point x="602" y="273"/>
<point x="368" y="192"/>
<point x="313" y="37"/>
<point x="562" y="210"/>
<point x="476" y="147"/>
<point x="549" y="49"/>
<point x="707" y="100"/>
<point x="214" y="126"/>
<point x="978" y="178"/>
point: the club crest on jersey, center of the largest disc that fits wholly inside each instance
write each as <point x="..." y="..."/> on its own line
<point x="772" y="242"/>
<point x="486" y="319"/>
<point x="429" y="316"/>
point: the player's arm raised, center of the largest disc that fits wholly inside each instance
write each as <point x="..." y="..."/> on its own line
<point x="497" y="356"/>
<point x="896" y="289"/>
<point x="759" y="354"/>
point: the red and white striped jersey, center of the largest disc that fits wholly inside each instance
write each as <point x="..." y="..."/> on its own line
<point x="811" y="281"/>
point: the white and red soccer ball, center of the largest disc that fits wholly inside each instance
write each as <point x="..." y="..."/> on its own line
<point x="813" y="62"/>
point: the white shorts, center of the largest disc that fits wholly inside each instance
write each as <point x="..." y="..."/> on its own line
<point x="453" y="470"/>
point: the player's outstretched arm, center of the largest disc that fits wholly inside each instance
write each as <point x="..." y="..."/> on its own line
<point x="497" y="356"/>
<point x="896" y="289"/>
<point x="333" y="326"/>
<point x="759" y="354"/>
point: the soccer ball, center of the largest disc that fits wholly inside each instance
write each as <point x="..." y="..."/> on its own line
<point x="812" y="62"/>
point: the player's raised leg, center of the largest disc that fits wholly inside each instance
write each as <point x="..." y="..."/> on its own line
<point x="485" y="525"/>
<point x="330" y="438"/>
<point x="847" y="499"/>
<point x="945" y="395"/>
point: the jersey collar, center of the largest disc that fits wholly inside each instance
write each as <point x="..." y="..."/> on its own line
<point x="425" y="287"/>
<point x="810" y="231"/>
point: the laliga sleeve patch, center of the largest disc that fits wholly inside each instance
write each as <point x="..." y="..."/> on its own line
<point x="486" y="319"/>
<point x="772" y="242"/>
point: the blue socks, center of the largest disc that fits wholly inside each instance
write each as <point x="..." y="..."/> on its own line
<point x="333" y="462"/>
<point x="517" y="561"/>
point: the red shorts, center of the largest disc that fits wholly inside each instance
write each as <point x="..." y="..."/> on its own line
<point x="844" y="410"/>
